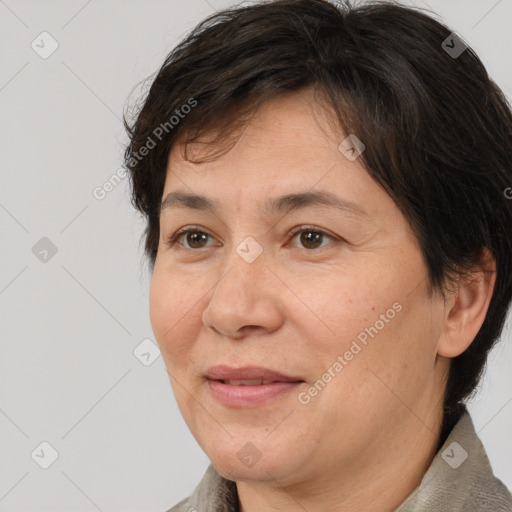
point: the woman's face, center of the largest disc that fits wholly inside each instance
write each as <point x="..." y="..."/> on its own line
<point x="339" y="305"/>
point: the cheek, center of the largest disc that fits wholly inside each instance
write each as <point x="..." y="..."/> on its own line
<point x="159" y="298"/>
<point x="173" y="314"/>
<point x="373" y="324"/>
<point x="397" y="359"/>
<point x="339" y="309"/>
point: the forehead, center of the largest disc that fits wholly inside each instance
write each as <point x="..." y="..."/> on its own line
<point x="289" y="147"/>
<point x="291" y="126"/>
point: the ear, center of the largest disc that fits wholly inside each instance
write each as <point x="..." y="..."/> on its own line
<point x="467" y="307"/>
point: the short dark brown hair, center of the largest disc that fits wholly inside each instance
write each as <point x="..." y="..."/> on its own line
<point x="437" y="130"/>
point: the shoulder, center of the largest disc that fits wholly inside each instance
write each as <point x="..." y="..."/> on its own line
<point x="213" y="494"/>
<point x="488" y="493"/>
<point x="460" y="478"/>
<point x="483" y="490"/>
<point x="182" y="506"/>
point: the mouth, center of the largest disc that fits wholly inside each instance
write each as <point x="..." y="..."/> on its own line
<point x="248" y="375"/>
<point x="247" y="382"/>
<point x="249" y="386"/>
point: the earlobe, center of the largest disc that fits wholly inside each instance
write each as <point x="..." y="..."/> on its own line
<point x="467" y="308"/>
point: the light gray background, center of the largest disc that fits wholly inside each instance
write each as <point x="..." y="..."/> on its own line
<point x="68" y="375"/>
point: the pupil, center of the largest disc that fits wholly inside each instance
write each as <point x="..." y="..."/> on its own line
<point x="195" y="237"/>
<point x="306" y="239"/>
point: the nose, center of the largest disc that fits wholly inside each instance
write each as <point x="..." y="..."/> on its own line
<point x="245" y="300"/>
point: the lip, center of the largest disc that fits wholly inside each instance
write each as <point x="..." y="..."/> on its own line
<point x="252" y="395"/>
<point x="223" y="372"/>
<point x="249" y="396"/>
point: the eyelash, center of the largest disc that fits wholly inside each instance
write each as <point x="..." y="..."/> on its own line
<point x="173" y="239"/>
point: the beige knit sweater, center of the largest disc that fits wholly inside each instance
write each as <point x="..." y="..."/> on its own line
<point x="460" y="479"/>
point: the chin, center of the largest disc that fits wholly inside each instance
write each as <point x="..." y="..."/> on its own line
<point x="252" y="461"/>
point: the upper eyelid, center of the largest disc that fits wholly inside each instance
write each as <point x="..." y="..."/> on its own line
<point x="305" y="227"/>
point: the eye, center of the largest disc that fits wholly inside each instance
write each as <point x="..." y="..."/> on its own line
<point x="193" y="236"/>
<point x="311" y="236"/>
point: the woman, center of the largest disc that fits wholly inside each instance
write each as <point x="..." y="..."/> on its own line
<point x="330" y="242"/>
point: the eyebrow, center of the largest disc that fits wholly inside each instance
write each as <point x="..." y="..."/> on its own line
<point x="281" y="204"/>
